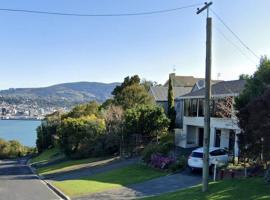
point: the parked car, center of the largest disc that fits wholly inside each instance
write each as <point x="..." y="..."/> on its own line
<point x="216" y="155"/>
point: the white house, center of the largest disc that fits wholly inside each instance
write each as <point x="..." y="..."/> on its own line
<point x="224" y="128"/>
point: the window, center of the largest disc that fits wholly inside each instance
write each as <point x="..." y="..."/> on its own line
<point x="194" y="107"/>
<point x="201" y="108"/>
<point x="197" y="155"/>
<point x="217" y="138"/>
<point x="219" y="152"/>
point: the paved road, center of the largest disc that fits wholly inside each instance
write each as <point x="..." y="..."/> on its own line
<point x="152" y="187"/>
<point x="18" y="183"/>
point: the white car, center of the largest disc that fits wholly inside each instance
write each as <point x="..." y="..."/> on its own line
<point x="216" y="155"/>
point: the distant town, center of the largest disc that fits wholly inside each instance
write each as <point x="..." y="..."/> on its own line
<point x="26" y="111"/>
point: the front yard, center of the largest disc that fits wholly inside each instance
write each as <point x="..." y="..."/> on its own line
<point x="108" y="180"/>
<point x="238" y="189"/>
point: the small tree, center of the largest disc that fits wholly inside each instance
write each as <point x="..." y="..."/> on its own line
<point x="171" y="109"/>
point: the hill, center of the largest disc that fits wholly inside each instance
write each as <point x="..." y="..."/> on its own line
<point x="65" y="94"/>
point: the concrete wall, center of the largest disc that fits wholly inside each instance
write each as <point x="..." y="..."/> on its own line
<point x="191" y="126"/>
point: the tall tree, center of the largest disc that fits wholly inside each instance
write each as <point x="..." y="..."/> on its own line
<point x="254" y="120"/>
<point x="255" y="84"/>
<point x="253" y="111"/>
<point x="131" y="93"/>
<point x="171" y="109"/>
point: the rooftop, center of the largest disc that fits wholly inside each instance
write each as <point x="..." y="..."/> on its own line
<point x="160" y="93"/>
<point x="219" y="89"/>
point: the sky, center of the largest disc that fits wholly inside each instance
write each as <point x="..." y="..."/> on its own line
<point x="42" y="50"/>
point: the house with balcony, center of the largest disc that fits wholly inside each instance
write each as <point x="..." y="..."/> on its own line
<point x="223" y="123"/>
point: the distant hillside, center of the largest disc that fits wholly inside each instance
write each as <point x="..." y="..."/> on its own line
<point x="66" y="94"/>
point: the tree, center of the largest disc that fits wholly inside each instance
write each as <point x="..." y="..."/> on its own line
<point x="147" y="120"/>
<point x="252" y="107"/>
<point x="128" y="81"/>
<point x="254" y="120"/>
<point x="78" y="135"/>
<point x="148" y="84"/>
<point x="255" y="84"/>
<point x="84" y="110"/>
<point x="47" y="131"/>
<point x="131" y="93"/>
<point x="171" y="109"/>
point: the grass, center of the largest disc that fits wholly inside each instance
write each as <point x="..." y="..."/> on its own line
<point x="108" y="180"/>
<point x="47" y="156"/>
<point x="240" y="189"/>
<point x="65" y="166"/>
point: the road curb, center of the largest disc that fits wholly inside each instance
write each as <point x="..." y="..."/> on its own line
<point x="50" y="186"/>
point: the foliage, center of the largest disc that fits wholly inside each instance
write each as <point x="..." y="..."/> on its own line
<point x="13" y="149"/>
<point x="131" y="93"/>
<point x="148" y="84"/>
<point x="255" y="84"/>
<point x="253" y="112"/>
<point x="47" y="131"/>
<point x="91" y="108"/>
<point x="147" y="120"/>
<point x="163" y="147"/>
<point x="254" y="120"/>
<point x="151" y="149"/>
<point x="160" y="161"/>
<point x="267" y="175"/>
<point x="171" y="109"/>
<point x="240" y="189"/>
<point x="78" y="135"/>
<point x="112" y="179"/>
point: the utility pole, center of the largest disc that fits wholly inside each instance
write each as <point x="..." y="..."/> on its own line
<point x="207" y="113"/>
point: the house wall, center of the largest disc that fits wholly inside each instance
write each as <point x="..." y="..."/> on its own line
<point x="191" y="126"/>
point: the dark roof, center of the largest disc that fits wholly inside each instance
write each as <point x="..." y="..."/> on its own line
<point x="220" y="88"/>
<point x="160" y="93"/>
<point x="183" y="81"/>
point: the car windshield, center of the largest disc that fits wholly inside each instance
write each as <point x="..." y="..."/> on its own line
<point x="197" y="155"/>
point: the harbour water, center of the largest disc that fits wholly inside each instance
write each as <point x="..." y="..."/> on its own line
<point x="22" y="130"/>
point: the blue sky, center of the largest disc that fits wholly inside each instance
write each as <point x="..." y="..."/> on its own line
<point x="41" y="50"/>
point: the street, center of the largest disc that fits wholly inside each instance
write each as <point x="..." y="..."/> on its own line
<point x="17" y="182"/>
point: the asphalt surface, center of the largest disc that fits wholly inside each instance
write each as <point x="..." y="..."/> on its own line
<point x="17" y="182"/>
<point x="152" y="187"/>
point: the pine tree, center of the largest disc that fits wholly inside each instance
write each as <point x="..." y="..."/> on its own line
<point x="171" y="110"/>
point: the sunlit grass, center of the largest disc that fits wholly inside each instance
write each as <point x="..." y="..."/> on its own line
<point x="66" y="166"/>
<point x="238" y="189"/>
<point x="108" y="180"/>
<point x="47" y="156"/>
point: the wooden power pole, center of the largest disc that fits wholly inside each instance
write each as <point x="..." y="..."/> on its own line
<point x="207" y="113"/>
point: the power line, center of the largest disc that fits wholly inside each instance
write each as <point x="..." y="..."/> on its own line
<point x="100" y="15"/>
<point x="232" y="43"/>
<point x="235" y="35"/>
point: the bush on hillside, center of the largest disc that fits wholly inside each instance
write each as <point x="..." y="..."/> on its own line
<point x="13" y="149"/>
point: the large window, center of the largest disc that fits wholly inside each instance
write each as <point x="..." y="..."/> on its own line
<point x="191" y="106"/>
<point x="201" y="108"/>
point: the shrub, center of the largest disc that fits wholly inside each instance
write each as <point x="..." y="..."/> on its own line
<point x="180" y="164"/>
<point x="148" y="151"/>
<point x="161" y="162"/>
<point x="267" y="175"/>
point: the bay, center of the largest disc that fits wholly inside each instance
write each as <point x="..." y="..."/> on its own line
<point x="22" y="130"/>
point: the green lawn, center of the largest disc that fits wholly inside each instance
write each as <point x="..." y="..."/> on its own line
<point x="238" y="189"/>
<point x="47" y="156"/>
<point x="108" y="180"/>
<point x="65" y="166"/>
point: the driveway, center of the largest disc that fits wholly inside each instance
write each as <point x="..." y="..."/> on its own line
<point x="17" y="182"/>
<point x="92" y="169"/>
<point x="152" y="187"/>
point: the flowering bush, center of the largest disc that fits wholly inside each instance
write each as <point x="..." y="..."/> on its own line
<point x="161" y="162"/>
